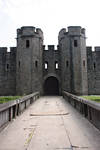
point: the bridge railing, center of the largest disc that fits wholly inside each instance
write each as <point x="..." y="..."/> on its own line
<point x="90" y="109"/>
<point x="11" y="109"/>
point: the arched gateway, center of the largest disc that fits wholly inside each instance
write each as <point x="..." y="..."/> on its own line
<point x="51" y="86"/>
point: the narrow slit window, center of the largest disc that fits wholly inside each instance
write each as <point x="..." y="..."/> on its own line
<point x="19" y="64"/>
<point x="83" y="63"/>
<point x="27" y="43"/>
<point x="75" y="43"/>
<point x="36" y="63"/>
<point x="7" y="66"/>
<point x="56" y="65"/>
<point x="67" y="63"/>
<point x="94" y="65"/>
<point x="46" y="65"/>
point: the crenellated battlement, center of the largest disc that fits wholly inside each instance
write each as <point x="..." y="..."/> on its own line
<point x="91" y="50"/>
<point x="29" y="31"/>
<point x="97" y="49"/>
<point x="62" y="32"/>
<point x="7" y="71"/>
<point x="71" y="31"/>
<point x="76" y="30"/>
<point x="51" y="47"/>
<point x="4" y="50"/>
<point x="8" y="57"/>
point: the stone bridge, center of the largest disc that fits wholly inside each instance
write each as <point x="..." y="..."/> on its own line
<point x="50" y="123"/>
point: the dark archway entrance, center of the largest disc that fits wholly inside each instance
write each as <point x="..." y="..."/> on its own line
<point x="51" y="86"/>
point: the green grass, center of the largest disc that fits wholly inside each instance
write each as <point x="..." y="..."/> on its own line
<point x="5" y="99"/>
<point x="93" y="98"/>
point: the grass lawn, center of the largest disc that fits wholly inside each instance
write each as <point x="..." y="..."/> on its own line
<point x="92" y="97"/>
<point x="5" y="99"/>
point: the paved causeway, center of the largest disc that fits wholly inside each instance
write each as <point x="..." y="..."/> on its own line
<point x="50" y="124"/>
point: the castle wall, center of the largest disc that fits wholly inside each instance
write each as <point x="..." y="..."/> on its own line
<point x="97" y="70"/>
<point x="7" y="71"/>
<point x="93" y="60"/>
<point x="26" y="67"/>
<point x="51" y="57"/>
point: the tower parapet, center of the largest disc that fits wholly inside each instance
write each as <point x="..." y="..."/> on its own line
<point x="62" y="34"/>
<point x="72" y="31"/>
<point x="29" y="31"/>
<point x="76" y="31"/>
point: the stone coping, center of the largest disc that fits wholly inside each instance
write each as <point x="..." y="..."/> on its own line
<point x="11" y="103"/>
<point x="93" y="104"/>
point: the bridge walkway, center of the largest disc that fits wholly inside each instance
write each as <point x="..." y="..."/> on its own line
<point x="50" y="124"/>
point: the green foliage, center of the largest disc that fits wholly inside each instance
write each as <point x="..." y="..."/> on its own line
<point x="5" y="99"/>
<point x="93" y="98"/>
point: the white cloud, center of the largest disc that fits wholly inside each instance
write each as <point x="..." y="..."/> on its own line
<point x="50" y="16"/>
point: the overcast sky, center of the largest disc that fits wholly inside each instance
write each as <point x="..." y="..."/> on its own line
<point x="51" y="16"/>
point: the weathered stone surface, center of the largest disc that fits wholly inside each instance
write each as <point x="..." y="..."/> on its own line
<point x="8" y="71"/>
<point x="72" y="64"/>
<point x="93" y="60"/>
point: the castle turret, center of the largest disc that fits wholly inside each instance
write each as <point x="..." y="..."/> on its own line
<point x="29" y="60"/>
<point x="73" y="60"/>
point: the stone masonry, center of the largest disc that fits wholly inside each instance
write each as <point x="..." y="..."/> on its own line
<point x="30" y="67"/>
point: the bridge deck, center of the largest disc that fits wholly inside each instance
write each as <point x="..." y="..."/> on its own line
<point x="50" y="124"/>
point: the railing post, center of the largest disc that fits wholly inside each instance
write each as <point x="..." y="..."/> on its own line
<point x="10" y="114"/>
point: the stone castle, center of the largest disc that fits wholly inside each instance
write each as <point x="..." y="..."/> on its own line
<point x="30" y="67"/>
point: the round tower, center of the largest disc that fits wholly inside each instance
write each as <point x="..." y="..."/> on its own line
<point x="73" y="60"/>
<point x="29" y="60"/>
<point x="64" y="50"/>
